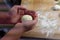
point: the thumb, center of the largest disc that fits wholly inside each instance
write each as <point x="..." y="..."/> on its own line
<point x="18" y="25"/>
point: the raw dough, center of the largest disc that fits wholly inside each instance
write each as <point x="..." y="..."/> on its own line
<point x="26" y="18"/>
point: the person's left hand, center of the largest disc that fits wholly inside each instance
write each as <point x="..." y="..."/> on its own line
<point x="17" y="12"/>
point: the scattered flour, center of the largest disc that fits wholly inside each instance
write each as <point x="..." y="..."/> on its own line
<point x="46" y="24"/>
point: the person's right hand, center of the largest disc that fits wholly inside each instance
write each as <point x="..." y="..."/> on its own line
<point x="28" y="25"/>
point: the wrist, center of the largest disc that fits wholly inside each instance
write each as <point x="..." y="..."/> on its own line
<point x="17" y="30"/>
<point x="21" y="27"/>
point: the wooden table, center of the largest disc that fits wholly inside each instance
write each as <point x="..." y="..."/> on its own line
<point x="43" y="6"/>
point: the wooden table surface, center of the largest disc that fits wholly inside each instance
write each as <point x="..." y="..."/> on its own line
<point x="44" y="6"/>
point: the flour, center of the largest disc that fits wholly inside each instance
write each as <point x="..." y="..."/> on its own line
<point x="47" y="25"/>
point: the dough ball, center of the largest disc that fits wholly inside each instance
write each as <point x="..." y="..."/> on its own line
<point x="26" y="18"/>
<point x="56" y="7"/>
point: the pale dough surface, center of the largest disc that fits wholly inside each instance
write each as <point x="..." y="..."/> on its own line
<point x="26" y="18"/>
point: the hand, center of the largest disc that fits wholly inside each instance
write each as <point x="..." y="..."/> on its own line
<point x="15" y="16"/>
<point x="17" y="12"/>
<point x="28" y="25"/>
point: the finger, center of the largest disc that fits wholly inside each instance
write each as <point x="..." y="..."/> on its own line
<point x="19" y="10"/>
<point x="15" y="16"/>
<point x="29" y="23"/>
<point x="36" y="18"/>
<point x="18" y="25"/>
<point x="15" y="8"/>
<point x="18" y="6"/>
<point x="15" y="19"/>
<point x="13" y="11"/>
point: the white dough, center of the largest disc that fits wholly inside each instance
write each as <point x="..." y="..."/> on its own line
<point x="26" y="18"/>
<point x="57" y="7"/>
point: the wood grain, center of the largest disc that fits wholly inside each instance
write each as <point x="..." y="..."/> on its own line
<point x="42" y="5"/>
<point x="38" y="4"/>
